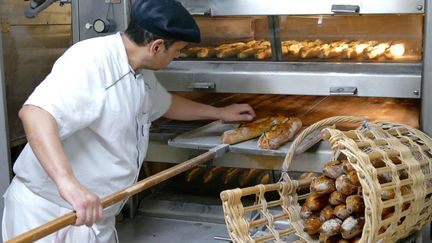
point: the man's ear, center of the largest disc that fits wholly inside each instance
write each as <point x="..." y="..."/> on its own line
<point x="156" y="46"/>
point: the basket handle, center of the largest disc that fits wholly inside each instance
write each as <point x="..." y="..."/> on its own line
<point x="299" y="139"/>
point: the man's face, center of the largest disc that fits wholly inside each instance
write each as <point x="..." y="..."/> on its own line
<point x="163" y="57"/>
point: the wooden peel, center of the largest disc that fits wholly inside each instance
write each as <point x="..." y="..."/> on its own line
<point x="70" y="218"/>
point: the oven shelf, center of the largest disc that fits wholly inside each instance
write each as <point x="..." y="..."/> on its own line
<point x="397" y="80"/>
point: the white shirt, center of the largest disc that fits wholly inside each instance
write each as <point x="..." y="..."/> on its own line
<point x="103" y="111"/>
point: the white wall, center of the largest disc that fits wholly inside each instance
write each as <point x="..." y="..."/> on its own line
<point x="4" y="148"/>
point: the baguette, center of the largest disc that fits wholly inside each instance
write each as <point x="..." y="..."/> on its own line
<point x="248" y="175"/>
<point x="251" y="130"/>
<point x="280" y="134"/>
<point x="230" y="52"/>
<point x="250" y="52"/>
<point x="190" y="52"/>
<point x="212" y="174"/>
<point x="207" y="53"/>
<point x="263" y="53"/>
<point x="194" y="173"/>
<point x="231" y="174"/>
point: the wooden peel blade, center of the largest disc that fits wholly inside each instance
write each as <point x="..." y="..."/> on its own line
<point x="70" y="218"/>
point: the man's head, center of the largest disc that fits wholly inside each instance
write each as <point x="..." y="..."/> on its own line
<point x="163" y="27"/>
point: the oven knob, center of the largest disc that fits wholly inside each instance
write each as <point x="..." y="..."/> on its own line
<point x="102" y="25"/>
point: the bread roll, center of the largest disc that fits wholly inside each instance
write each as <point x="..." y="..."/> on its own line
<point x="312" y="225"/>
<point x="343" y="185"/>
<point x="252" y="129"/>
<point x="308" y="175"/>
<point x="341" y="212"/>
<point x="305" y="188"/>
<point x="355" y="204"/>
<point x="279" y="134"/>
<point x="315" y="201"/>
<point x="326" y="213"/>
<point x="305" y="212"/>
<point x="353" y="178"/>
<point x="387" y="194"/>
<point x="329" y="239"/>
<point x="331" y="227"/>
<point x="347" y="167"/>
<point x="337" y="198"/>
<point x="322" y="185"/>
<point x="352" y="227"/>
<point x="333" y="169"/>
<point x="343" y="241"/>
<point x="384" y="178"/>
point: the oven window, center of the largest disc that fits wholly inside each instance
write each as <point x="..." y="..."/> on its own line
<point x="231" y="38"/>
<point x="371" y="38"/>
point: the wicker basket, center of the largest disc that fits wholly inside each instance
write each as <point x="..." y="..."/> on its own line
<point x="373" y="149"/>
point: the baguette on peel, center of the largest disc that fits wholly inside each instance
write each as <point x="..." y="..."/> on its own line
<point x="251" y="130"/>
<point x="280" y="134"/>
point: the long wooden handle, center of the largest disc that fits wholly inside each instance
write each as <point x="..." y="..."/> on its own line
<point x="70" y="218"/>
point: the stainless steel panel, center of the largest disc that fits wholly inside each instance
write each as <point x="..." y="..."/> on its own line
<point x="426" y="104"/>
<point x="201" y="7"/>
<point x="371" y="80"/>
<point x="304" y="7"/>
<point x="84" y="13"/>
<point x="5" y="165"/>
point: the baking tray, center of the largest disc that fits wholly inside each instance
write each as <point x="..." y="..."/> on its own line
<point x="208" y="136"/>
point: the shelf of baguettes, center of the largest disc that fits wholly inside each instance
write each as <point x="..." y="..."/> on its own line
<point x="317" y="50"/>
<point x="308" y="109"/>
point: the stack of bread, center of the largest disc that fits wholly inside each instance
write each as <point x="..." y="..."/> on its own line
<point x="334" y="209"/>
<point x="302" y="49"/>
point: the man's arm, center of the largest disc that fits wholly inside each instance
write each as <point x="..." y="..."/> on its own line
<point x="184" y="109"/>
<point x="43" y="136"/>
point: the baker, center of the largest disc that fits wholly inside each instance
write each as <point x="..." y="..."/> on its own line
<point x="87" y="124"/>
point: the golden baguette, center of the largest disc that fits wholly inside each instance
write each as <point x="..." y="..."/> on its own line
<point x="250" y="52"/>
<point x="376" y="51"/>
<point x="263" y="178"/>
<point x="231" y="174"/>
<point x="279" y="134"/>
<point x="263" y="53"/>
<point x="190" y="52"/>
<point x="194" y="173"/>
<point x="230" y="52"/>
<point x="252" y="129"/>
<point x="294" y="49"/>
<point x="248" y="176"/>
<point x="212" y="174"/>
<point x="207" y="53"/>
<point x="312" y="52"/>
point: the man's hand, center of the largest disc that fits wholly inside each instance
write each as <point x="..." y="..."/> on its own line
<point x="86" y="204"/>
<point x="237" y="112"/>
